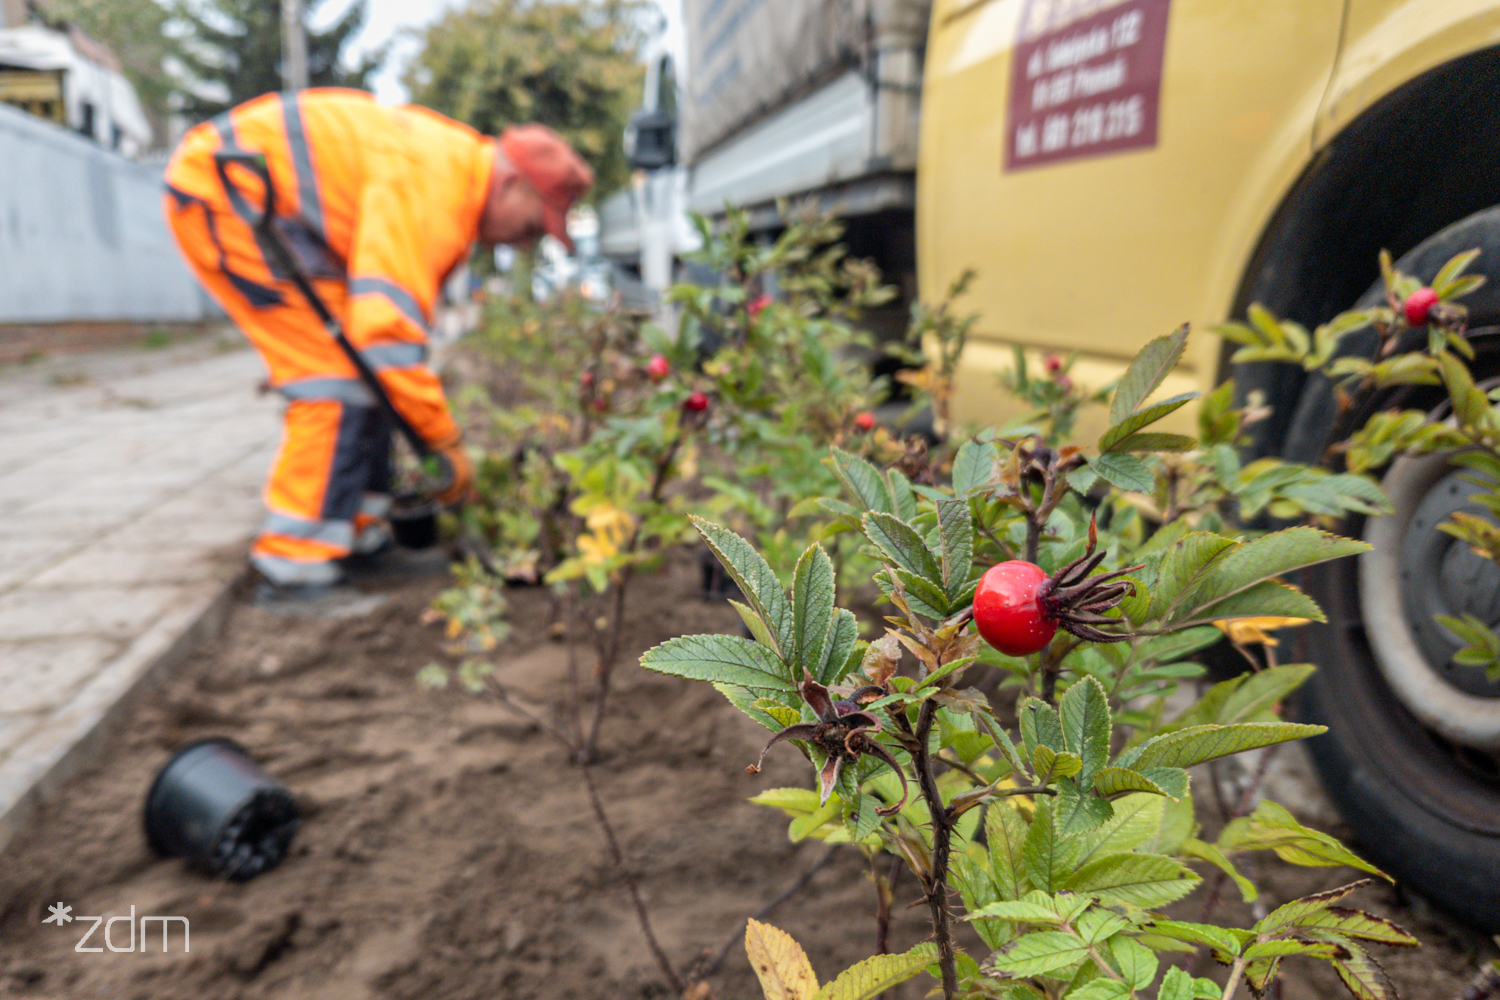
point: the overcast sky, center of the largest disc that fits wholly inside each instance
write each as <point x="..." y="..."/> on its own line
<point x="384" y="22"/>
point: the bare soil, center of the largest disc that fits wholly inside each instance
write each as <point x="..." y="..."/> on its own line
<point x="448" y="849"/>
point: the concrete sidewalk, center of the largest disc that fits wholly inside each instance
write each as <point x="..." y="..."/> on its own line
<point x="129" y="485"/>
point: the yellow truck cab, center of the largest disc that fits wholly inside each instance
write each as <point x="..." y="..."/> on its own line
<point x="1114" y="168"/>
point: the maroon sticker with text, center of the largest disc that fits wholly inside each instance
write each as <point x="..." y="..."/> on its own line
<point x="1084" y="86"/>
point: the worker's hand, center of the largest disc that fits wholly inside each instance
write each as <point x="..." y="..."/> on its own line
<point x="457" y="485"/>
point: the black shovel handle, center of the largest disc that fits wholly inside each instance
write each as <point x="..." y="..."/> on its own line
<point x="257" y="165"/>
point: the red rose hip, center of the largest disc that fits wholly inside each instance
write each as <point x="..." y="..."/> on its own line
<point x="864" y="420"/>
<point x="1418" y="304"/>
<point x="697" y="402"/>
<point x="1008" y="610"/>
<point x="658" y="367"/>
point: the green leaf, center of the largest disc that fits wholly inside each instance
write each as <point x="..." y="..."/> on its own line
<point x="1271" y="827"/>
<point x="751" y="704"/>
<point x="873" y="976"/>
<point x="1153" y="441"/>
<point x="1084" y="710"/>
<point x="1039" y="953"/>
<point x="901" y="544"/>
<point x="1197" y="744"/>
<point x="753" y="575"/>
<point x="1100" y="989"/>
<point x="812" y="610"/>
<point x="1248" y="697"/>
<point x="1218" y="938"/>
<point x="1144" y="880"/>
<point x="1195" y="848"/>
<point x="1456" y="266"/>
<point x="1169" y="781"/>
<point x="1359" y="924"/>
<point x="1047" y="856"/>
<point x="923" y="595"/>
<point x="903" y="502"/>
<point x="1136" y="962"/>
<point x="792" y="801"/>
<point x="1040" y="725"/>
<point x="1263" y="559"/>
<point x="1125" y="471"/>
<point x="863" y="481"/>
<point x="1177" y="984"/>
<point x="1052" y="765"/>
<point x="1005" y="833"/>
<point x="1149" y="369"/>
<point x="1020" y="910"/>
<point x="1135" y="421"/>
<point x="843" y="648"/>
<point x="1268" y="598"/>
<point x="1182" y="567"/>
<point x="1077" y="811"/>
<point x="956" y="532"/>
<point x="1136" y="819"/>
<point x="726" y="659"/>
<point x="1296" y="912"/>
<point x="973" y="467"/>
<point x="1282" y="947"/>
<point x="1363" y="975"/>
<point x="755" y="623"/>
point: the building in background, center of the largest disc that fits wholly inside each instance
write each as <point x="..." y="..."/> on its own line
<point x="73" y="80"/>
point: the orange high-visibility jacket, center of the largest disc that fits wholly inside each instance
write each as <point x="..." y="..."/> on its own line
<point x="385" y="200"/>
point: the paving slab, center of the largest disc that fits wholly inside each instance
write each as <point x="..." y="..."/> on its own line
<point x="129" y="488"/>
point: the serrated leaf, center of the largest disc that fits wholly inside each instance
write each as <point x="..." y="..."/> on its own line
<point x="1156" y="441"/>
<point x="903" y="501"/>
<point x="1363" y="975"/>
<point x="1455" y="266"/>
<point x="749" y="702"/>
<point x="1265" y="558"/>
<point x="873" y="976"/>
<point x="1217" y="938"/>
<point x="1177" y="984"/>
<point x="1137" y="963"/>
<point x="1084" y="710"/>
<point x="923" y="595"/>
<point x="1125" y="471"/>
<point x="1198" y="744"/>
<point x="863" y="481"/>
<point x="1076" y="812"/>
<point x="757" y="582"/>
<point x="1149" y="369"/>
<point x="1266" y="599"/>
<point x="1125" y="427"/>
<point x="812" y="610"/>
<point x="1184" y="565"/>
<point x="1040" y="725"/>
<point x="1047" y="856"/>
<point x="973" y="467"/>
<point x="1136" y="818"/>
<point x="755" y="623"/>
<point x="727" y="659"/>
<point x="956" y="533"/>
<point x="1100" y="989"/>
<point x="1020" y="910"/>
<point x="1282" y="947"/>
<point x="843" y="648"/>
<point x="1271" y="827"/>
<point x="1359" y="924"/>
<point x="1144" y="880"/>
<point x="1051" y="764"/>
<point x="1195" y="848"/>
<point x="903" y="546"/>
<point x="867" y="819"/>
<point x="1005" y="833"/>
<point x="792" y="801"/>
<point x="1243" y="698"/>
<point x="1293" y="913"/>
<point x="779" y="963"/>
<point x="1112" y="781"/>
<point x="1038" y="953"/>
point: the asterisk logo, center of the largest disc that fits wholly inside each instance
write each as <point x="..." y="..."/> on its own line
<point x="60" y="914"/>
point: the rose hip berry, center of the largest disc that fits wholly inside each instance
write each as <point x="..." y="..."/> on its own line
<point x="864" y="420"/>
<point x="697" y="402"/>
<point x="1008" y="610"/>
<point x="1418" y="304"/>
<point x="658" y="367"/>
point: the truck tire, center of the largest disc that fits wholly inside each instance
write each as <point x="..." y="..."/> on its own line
<point x="1411" y="758"/>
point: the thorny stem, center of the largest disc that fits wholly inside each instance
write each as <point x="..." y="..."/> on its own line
<point x="625" y="876"/>
<point x="942" y="844"/>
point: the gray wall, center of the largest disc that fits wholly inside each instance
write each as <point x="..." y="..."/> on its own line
<point x="82" y="235"/>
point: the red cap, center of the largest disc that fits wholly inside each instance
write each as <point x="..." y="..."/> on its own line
<point x="558" y="173"/>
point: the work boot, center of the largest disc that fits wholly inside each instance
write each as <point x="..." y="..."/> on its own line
<point x="316" y="600"/>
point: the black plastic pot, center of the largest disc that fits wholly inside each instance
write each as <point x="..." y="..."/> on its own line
<point x="213" y="806"/>
<point x="414" y="522"/>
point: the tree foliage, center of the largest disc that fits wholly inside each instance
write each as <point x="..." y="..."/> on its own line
<point x="237" y="44"/>
<point x="568" y="64"/>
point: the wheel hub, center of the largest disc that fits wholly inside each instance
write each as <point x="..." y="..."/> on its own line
<point x="1440" y="575"/>
<point x="1414" y="571"/>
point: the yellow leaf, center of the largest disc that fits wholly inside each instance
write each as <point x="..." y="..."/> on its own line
<point x="780" y="962"/>
<point x="1250" y="631"/>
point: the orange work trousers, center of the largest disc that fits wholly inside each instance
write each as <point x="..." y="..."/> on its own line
<point x="329" y="486"/>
